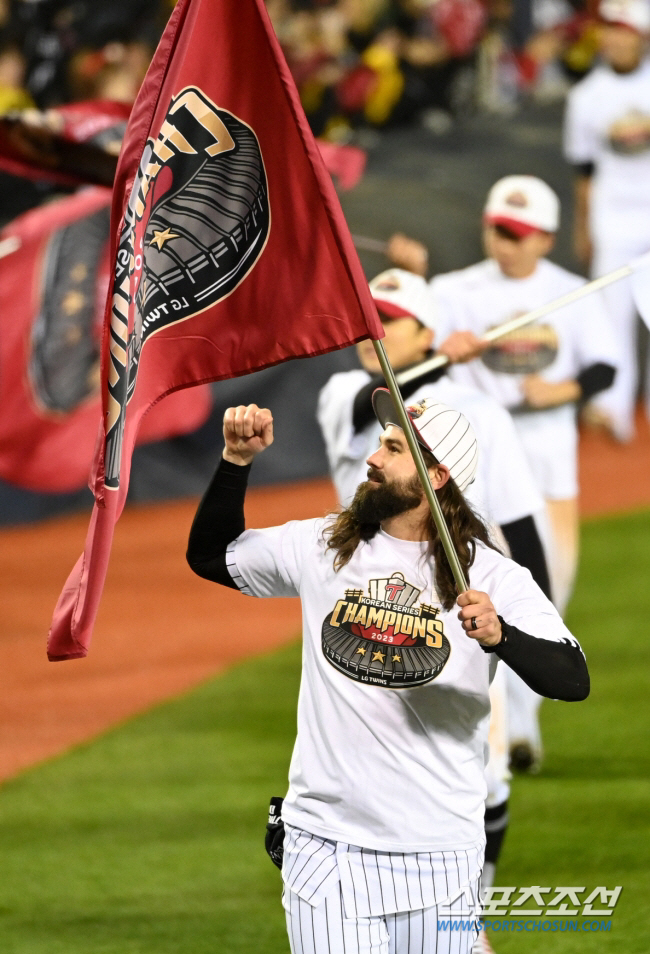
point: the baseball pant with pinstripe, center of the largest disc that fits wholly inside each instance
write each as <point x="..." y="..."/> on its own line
<point x="325" y="930"/>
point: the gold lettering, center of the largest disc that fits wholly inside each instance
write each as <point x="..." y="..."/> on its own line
<point x="349" y="613"/>
<point x="406" y="626"/>
<point x="334" y="618"/>
<point x="434" y="636"/>
<point x="419" y="628"/>
<point x="361" y="616"/>
<point x="375" y="617"/>
<point x="389" y="619"/>
<point x="207" y="116"/>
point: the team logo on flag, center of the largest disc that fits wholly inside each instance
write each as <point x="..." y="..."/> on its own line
<point x="386" y="638"/>
<point x="197" y="221"/>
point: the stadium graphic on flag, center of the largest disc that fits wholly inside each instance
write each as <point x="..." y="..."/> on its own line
<point x="197" y="221"/>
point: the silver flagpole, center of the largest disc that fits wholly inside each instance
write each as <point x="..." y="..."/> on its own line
<point x="365" y="244"/>
<point x="412" y="441"/>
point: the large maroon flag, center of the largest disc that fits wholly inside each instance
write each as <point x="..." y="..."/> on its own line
<point x="54" y="277"/>
<point x="230" y="250"/>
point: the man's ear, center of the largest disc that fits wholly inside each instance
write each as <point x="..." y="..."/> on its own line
<point x="439" y="474"/>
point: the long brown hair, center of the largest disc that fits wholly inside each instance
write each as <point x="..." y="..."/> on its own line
<point x="344" y="533"/>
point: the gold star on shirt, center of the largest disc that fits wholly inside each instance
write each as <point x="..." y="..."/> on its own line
<point x="378" y="656"/>
<point x="397" y="658"/>
<point x="160" y="238"/>
<point x="361" y="651"/>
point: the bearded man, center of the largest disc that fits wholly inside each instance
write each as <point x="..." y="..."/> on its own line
<point x="383" y="818"/>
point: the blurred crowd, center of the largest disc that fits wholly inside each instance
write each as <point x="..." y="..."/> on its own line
<point x="356" y="62"/>
<point x="377" y="62"/>
<point x="55" y="51"/>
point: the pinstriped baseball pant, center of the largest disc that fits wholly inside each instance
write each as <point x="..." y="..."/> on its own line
<point x="325" y="930"/>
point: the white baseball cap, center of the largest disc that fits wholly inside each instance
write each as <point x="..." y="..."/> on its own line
<point x="523" y="204"/>
<point x="440" y="429"/>
<point x="634" y="14"/>
<point x="401" y="294"/>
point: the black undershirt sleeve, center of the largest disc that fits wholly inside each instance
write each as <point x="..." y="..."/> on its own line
<point x="526" y="549"/>
<point x="595" y="378"/>
<point x="362" y="410"/>
<point x="585" y="169"/>
<point x="557" y="670"/>
<point x="219" y="520"/>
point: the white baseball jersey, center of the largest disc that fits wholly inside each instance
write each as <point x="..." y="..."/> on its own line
<point x="394" y="705"/>
<point x="608" y="123"/>
<point x="557" y="347"/>
<point x="504" y="489"/>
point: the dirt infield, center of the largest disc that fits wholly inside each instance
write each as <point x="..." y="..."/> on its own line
<point x="161" y="630"/>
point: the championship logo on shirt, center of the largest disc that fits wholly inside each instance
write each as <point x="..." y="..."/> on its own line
<point x="630" y="135"/>
<point x="525" y="351"/>
<point x="386" y="638"/>
<point x="197" y="222"/>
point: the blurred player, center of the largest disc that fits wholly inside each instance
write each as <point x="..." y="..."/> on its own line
<point x="506" y="496"/>
<point x="504" y="491"/>
<point x="539" y="373"/>
<point x="607" y="139"/>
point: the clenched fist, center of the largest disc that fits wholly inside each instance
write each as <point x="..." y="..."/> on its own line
<point x="247" y="431"/>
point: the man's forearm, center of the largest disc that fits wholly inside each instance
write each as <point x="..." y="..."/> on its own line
<point x="219" y="520"/>
<point x="557" y="670"/>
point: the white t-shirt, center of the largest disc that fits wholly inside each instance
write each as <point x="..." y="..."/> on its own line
<point x="607" y="123"/>
<point x="392" y="726"/>
<point x="558" y="347"/>
<point x="504" y="489"/>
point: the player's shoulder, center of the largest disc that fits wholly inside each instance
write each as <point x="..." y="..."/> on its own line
<point x="492" y="568"/>
<point x="463" y="279"/>
<point x="304" y="534"/>
<point x="560" y="278"/>
<point x="343" y="382"/>
<point x="586" y="90"/>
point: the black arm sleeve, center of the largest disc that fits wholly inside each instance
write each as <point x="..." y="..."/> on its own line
<point x="585" y="169"/>
<point x="218" y="521"/>
<point x="526" y="550"/>
<point x="362" y="410"/>
<point x="597" y="377"/>
<point x="555" y="670"/>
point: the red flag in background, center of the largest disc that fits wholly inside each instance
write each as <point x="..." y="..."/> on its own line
<point x="54" y="277"/>
<point x="73" y="144"/>
<point x="346" y="164"/>
<point x="231" y="252"/>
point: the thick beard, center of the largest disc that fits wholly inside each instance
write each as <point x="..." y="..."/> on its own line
<point x="373" y="503"/>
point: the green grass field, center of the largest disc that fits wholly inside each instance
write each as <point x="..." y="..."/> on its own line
<point x="149" y="839"/>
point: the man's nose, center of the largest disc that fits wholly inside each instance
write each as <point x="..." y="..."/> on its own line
<point x="374" y="461"/>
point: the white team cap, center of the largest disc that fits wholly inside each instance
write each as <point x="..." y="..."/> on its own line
<point x="634" y="14"/>
<point x="401" y="294"/>
<point x="523" y="204"/>
<point x="440" y="429"/>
